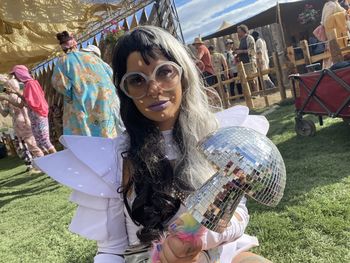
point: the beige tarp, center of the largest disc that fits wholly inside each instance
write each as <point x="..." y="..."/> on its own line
<point x="28" y="27"/>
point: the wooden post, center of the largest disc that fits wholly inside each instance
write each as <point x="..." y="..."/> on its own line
<point x="221" y="91"/>
<point x="279" y="75"/>
<point x="280" y="24"/>
<point x="263" y="87"/>
<point x="244" y="82"/>
<point x="292" y="67"/>
<point x="305" y="48"/>
<point x="334" y="47"/>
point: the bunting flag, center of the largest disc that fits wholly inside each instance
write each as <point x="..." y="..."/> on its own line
<point x="46" y="65"/>
<point x="143" y="18"/>
<point x="134" y="22"/>
<point x="50" y="64"/>
<point x="126" y="25"/>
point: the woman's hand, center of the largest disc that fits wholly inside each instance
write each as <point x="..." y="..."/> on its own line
<point x="175" y="250"/>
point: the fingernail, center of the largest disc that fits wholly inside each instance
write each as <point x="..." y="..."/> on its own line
<point x="159" y="247"/>
<point x="173" y="226"/>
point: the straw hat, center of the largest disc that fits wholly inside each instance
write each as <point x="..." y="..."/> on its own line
<point x="198" y="40"/>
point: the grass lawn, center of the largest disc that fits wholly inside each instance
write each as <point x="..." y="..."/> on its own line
<point x="311" y="224"/>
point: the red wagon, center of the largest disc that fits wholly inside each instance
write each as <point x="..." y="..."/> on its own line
<point x="322" y="93"/>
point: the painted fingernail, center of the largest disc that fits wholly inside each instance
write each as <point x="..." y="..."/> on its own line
<point x="159" y="247"/>
<point x="173" y="226"/>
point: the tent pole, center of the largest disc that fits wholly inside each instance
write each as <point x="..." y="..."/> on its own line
<point x="279" y="19"/>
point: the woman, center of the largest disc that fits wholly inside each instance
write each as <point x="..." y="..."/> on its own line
<point x="91" y="104"/>
<point x="20" y="119"/>
<point x="130" y="189"/>
<point x="334" y="17"/>
<point x="38" y="110"/>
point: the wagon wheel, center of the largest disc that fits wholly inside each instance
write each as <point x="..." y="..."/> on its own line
<point x="305" y="128"/>
<point x="346" y="120"/>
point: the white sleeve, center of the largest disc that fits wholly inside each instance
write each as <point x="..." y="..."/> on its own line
<point x="92" y="168"/>
<point x="103" y="220"/>
<point x="239" y="116"/>
<point x="213" y="239"/>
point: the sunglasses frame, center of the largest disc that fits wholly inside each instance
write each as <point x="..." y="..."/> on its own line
<point x="149" y="78"/>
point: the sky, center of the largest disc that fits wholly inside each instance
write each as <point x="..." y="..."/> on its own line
<point x="203" y="17"/>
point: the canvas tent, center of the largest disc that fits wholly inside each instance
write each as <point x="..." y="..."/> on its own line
<point x="28" y="27"/>
<point x="288" y="12"/>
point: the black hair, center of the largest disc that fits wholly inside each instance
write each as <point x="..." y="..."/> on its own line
<point x="63" y="37"/>
<point x="152" y="175"/>
<point x="256" y="35"/>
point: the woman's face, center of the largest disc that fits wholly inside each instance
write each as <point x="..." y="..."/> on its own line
<point x="161" y="102"/>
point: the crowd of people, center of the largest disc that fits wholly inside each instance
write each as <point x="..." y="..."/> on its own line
<point x="91" y="105"/>
<point x="251" y="50"/>
<point x="138" y="126"/>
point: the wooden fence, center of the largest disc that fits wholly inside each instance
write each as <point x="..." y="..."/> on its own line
<point x="283" y="63"/>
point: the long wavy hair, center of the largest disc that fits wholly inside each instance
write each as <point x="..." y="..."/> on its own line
<point x="154" y="179"/>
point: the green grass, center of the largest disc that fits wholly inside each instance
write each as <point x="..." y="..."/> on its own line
<point x="34" y="219"/>
<point x="311" y="224"/>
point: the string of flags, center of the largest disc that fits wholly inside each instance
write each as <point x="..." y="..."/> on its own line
<point x="140" y="17"/>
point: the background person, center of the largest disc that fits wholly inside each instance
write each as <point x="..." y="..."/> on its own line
<point x="91" y="105"/>
<point x="262" y="58"/>
<point x="247" y="54"/>
<point x="38" y="110"/>
<point x="231" y="58"/>
<point x="203" y="55"/>
<point x="334" y="16"/>
<point x="20" y="121"/>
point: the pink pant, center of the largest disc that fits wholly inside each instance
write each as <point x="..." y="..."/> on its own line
<point x="33" y="147"/>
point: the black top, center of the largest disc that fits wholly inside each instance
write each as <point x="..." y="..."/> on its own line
<point x="243" y="45"/>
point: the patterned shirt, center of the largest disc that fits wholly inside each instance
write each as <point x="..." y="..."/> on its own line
<point x="91" y="105"/>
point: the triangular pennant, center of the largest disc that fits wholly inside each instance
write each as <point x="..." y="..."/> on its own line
<point x="153" y="17"/>
<point x="90" y="41"/>
<point x="126" y="25"/>
<point x="50" y="64"/>
<point x="98" y="38"/>
<point x="134" y="22"/>
<point x="143" y="19"/>
<point x="46" y="65"/>
<point x="84" y="44"/>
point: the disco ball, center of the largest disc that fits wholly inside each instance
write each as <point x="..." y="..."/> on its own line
<point x="247" y="164"/>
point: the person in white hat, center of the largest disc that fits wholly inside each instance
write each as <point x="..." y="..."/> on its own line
<point x="93" y="49"/>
